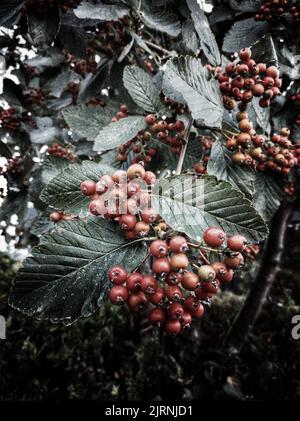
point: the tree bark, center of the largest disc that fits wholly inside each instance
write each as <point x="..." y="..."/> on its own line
<point x="263" y="282"/>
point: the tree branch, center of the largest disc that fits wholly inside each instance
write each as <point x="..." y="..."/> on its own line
<point x="184" y="149"/>
<point x="265" y="278"/>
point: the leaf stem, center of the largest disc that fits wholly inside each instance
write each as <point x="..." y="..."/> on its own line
<point x="184" y="149"/>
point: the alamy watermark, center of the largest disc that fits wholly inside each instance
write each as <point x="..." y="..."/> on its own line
<point x="2" y="327"/>
<point x="296" y="329"/>
<point x="2" y="72"/>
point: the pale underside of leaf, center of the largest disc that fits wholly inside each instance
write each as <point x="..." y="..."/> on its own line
<point x="119" y="132"/>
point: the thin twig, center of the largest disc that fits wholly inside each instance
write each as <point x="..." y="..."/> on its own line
<point x="184" y="149"/>
<point x="159" y="48"/>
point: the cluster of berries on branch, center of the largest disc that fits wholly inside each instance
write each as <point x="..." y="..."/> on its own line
<point x="277" y="154"/>
<point x="9" y="120"/>
<point x="275" y="9"/>
<point x="57" y="150"/>
<point x="170" y="132"/>
<point x="245" y="79"/>
<point x="181" y="281"/>
<point x="61" y="216"/>
<point x="111" y="37"/>
<point x="35" y="96"/>
<point x="13" y="167"/>
<point x="125" y="197"/>
<point x="206" y="143"/>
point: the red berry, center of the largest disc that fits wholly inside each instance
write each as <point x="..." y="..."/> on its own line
<point x="179" y="261"/>
<point x="191" y="303"/>
<point x="212" y="287"/>
<point x="190" y="281"/>
<point x="175" y="311"/>
<point x="174" y="293"/>
<point x="117" y="275"/>
<point x="149" y="215"/>
<point x="245" y="54"/>
<point x="220" y="268"/>
<point x="137" y="301"/>
<point x="236" y="243"/>
<point x="272" y="72"/>
<point x="173" y="327"/>
<point x="133" y="282"/>
<point x="136" y="171"/>
<point x="150" y="119"/>
<point x="228" y="276"/>
<point x="127" y="222"/>
<point x="202" y="295"/>
<point x="178" y="244"/>
<point x="206" y="273"/>
<point x="234" y="262"/>
<point x="119" y="176"/>
<point x="157" y="316"/>
<point x="198" y="312"/>
<point x="161" y="265"/>
<point x="159" y="248"/>
<point x="173" y="278"/>
<point x="149" y="284"/>
<point x="118" y="294"/>
<point x="186" y="319"/>
<point x="88" y="187"/>
<point x="55" y="216"/>
<point x="179" y="125"/>
<point x="214" y="237"/>
<point x="158" y="297"/>
<point x="149" y="177"/>
<point x="142" y="229"/>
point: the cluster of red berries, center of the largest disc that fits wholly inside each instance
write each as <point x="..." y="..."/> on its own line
<point x="81" y="66"/>
<point x="274" y="9"/>
<point x="277" y="154"/>
<point x="149" y="65"/>
<point x="169" y="132"/>
<point x="13" y="167"/>
<point x="61" y="216"/>
<point x="35" y="96"/>
<point x="57" y="150"/>
<point x="206" y="143"/>
<point x="9" y="120"/>
<point x="137" y="146"/>
<point x="125" y="197"/>
<point x="245" y="79"/>
<point x="110" y="38"/>
<point x="174" y="106"/>
<point x="174" y="290"/>
<point x="289" y="189"/>
<point x="251" y="251"/>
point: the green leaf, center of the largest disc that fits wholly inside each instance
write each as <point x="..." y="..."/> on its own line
<point x="191" y="205"/>
<point x="44" y="29"/>
<point x="268" y="194"/>
<point x="221" y="166"/>
<point x="86" y="122"/>
<point x="207" y="38"/>
<point x="167" y="160"/>
<point x="190" y="81"/>
<point x="65" y="278"/>
<point x="142" y="89"/>
<point x="52" y="166"/>
<point x="264" y="50"/>
<point x="101" y="12"/>
<point x="63" y="192"/>
<point x="160" y="19"/>
<point x="119" y="132"/>
<point x="243" y="34"/>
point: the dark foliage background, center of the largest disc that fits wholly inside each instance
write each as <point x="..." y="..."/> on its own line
<point x="114" y="355"/>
